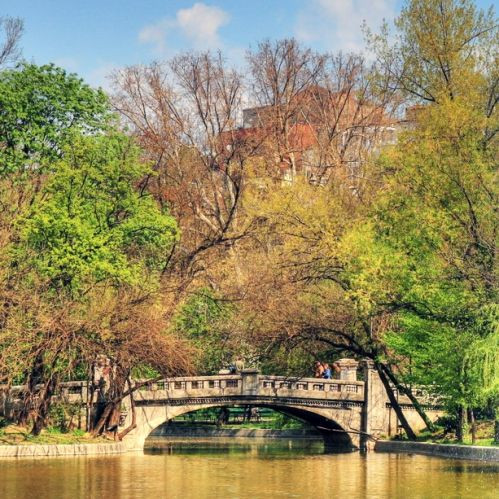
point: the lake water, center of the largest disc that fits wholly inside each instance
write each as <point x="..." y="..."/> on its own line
<point x="247" y="468"/>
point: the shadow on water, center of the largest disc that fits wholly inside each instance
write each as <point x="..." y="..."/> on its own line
<point x="472" y="468"/>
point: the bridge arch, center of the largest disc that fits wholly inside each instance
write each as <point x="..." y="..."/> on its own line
<point x="338" y="426"/>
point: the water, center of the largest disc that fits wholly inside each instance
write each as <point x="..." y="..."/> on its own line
<point x="247" y="469"/>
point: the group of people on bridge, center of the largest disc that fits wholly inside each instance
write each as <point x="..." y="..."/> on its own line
<point x="324" y="370"/>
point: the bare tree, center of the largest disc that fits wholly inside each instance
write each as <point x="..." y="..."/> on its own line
<point x="184" y="115"/>
<point x="319" y="113"/>
<point x="281" y="72"/>
<point x="11" y="29"/>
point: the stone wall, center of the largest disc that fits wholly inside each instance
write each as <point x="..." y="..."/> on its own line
<point x="471" y="452"/>
<point x="61" y="450"/>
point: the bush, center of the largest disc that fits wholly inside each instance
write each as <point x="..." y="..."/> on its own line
<point x="448" y="423"/>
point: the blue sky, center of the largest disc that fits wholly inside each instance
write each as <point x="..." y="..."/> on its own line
<point x="91" y="37"/>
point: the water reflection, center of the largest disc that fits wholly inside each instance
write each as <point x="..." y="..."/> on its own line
<point x="472" y="468"/>
<point x="241" y="447"/>
<point x="247" y="470"/>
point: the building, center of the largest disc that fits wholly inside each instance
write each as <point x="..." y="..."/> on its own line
<point x="317" y="133"/>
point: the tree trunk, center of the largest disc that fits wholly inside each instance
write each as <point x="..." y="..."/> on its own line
<point x="100" y="424"/>
<point x="111" y="400"/>
<point x="496" y="426"/>
<point x="35" y="378"/>
<point x="406" y="391"/>
<point x="472" y="423"/>
<point x="133" y="423"/>
<point x="43" y="408"/>
<point x="398" y="410"/>
<point x="460" y="423"/>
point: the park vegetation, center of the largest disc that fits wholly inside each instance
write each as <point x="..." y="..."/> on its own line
<point x="146" y="227"/>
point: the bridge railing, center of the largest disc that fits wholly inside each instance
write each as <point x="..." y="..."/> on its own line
<point x="312" y="387"/>
<point x="192" y="386"/>
<point x="227" y="385"/>
<point x="218" y="385"/>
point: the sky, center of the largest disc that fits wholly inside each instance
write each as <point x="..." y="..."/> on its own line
<point x="93" y="37"/>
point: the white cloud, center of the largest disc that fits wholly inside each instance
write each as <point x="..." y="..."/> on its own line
<point x="199" y="24"/>
<point x="336" y="24"/>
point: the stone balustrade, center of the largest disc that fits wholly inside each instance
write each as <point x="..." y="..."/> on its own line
<point x="236" y="385"/>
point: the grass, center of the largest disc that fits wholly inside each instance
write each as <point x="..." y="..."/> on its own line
<point x="484" y="433"/>
<point x="19" y="435"/>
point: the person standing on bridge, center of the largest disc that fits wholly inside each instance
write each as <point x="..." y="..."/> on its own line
<point x="327" y="374"/>
<point x="319" y="369"/>
<point x="239" y="364"/>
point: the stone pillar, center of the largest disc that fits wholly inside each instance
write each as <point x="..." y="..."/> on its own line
<point x="348" y="369"/>
<point x="375" y="412"/>
<point x="249" y="381"/>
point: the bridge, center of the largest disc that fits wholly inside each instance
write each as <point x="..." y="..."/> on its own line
<point x="347" y="412"/>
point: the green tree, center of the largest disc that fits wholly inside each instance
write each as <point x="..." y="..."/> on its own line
<point x="90" y="236"/>
<point x="435" y="219"/>
<point x="437" y="49"/>
<point x="40" y="107"/>
<point x="203" y="319"/>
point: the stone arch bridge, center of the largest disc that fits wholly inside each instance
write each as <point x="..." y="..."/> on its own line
<point x="346" y="411"/>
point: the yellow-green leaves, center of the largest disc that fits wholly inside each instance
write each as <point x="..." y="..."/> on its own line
<point x="90" y="223"/>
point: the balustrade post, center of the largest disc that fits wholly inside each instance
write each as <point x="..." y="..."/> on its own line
<point x="250" y="381"/>
<point x="348" y="369"/>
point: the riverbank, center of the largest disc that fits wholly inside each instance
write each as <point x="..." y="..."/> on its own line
<point x="17" y="441"/>
<point x="19" y="435"/>
<point x="51" y="450"/>
<point x="471" y="452"/>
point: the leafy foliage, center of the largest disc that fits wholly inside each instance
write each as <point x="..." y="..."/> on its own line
<point x="41" y="106"/>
